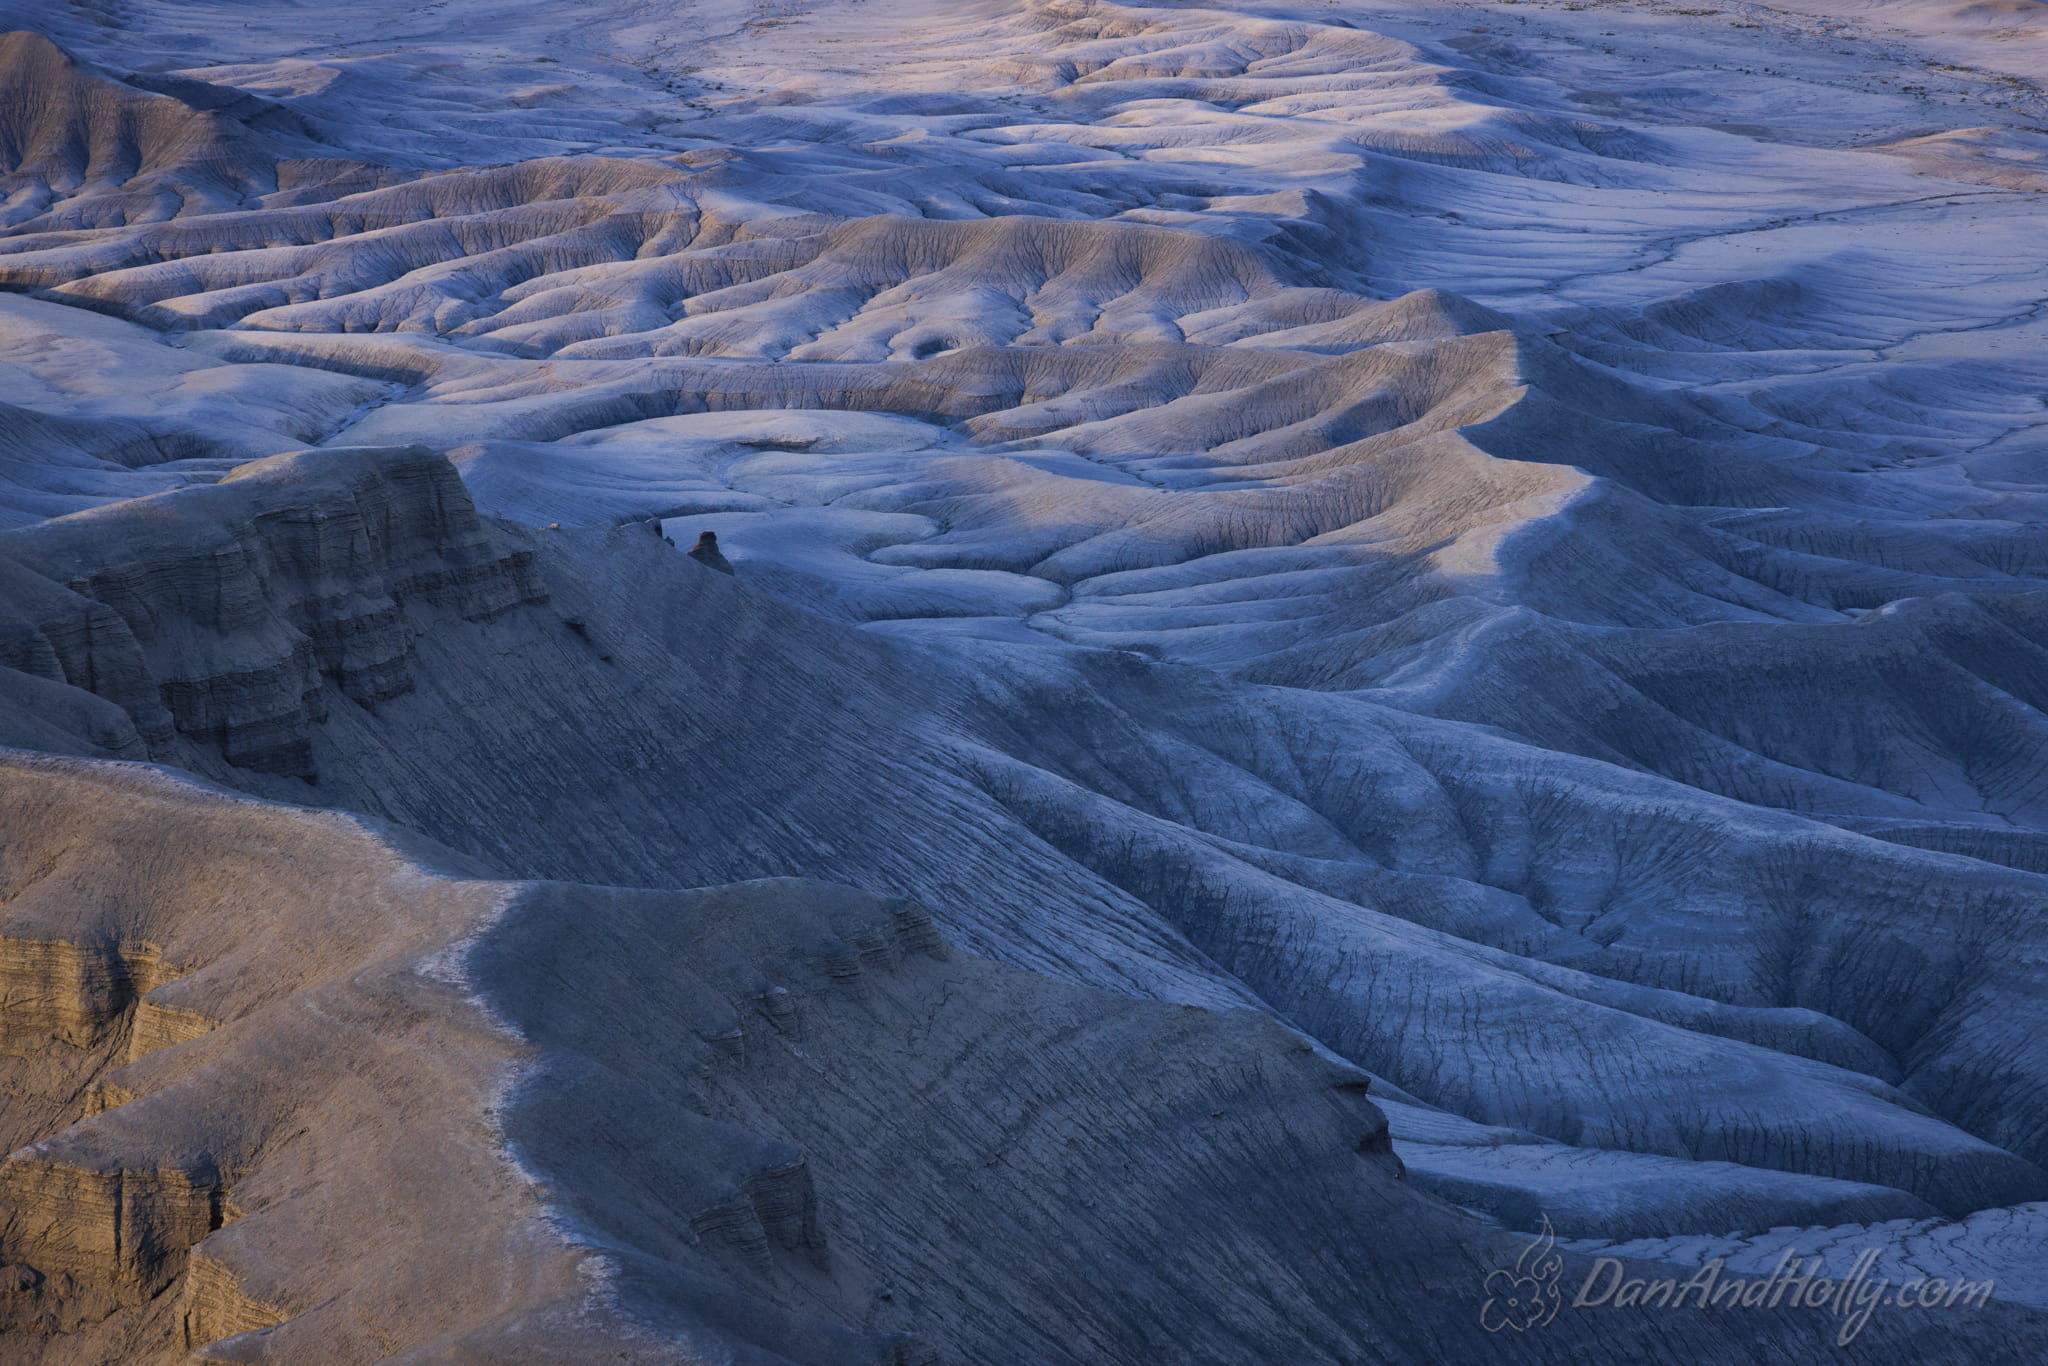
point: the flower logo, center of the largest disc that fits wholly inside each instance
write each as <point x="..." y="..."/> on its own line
<point x="1525" y="1296"/>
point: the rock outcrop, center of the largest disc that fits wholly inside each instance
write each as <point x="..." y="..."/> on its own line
<point x="234" y="613"/>
<point x="707" y="553"/>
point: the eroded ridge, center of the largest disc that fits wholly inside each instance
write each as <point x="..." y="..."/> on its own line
<point x="1498" y="545"/>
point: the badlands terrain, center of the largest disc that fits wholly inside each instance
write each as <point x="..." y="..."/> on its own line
<point x="1357" y="629"/>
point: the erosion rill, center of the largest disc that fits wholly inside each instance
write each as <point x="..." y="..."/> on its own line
<point x="812" y="682"/>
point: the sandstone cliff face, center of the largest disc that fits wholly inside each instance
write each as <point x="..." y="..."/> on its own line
<point x="185" y="981"/>
<point x="236" y="614"/>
